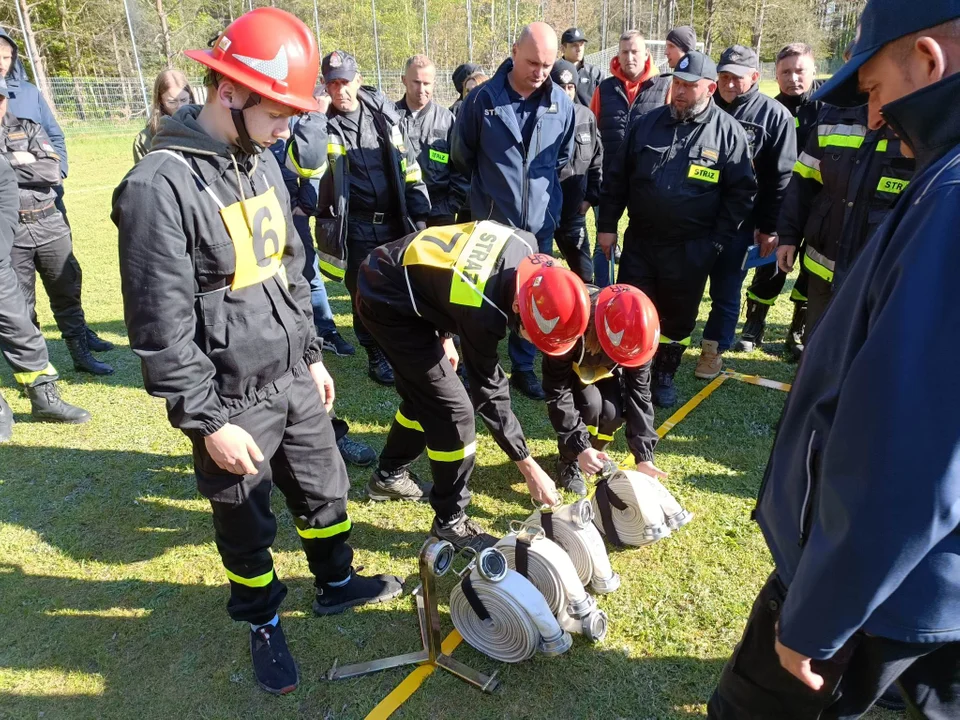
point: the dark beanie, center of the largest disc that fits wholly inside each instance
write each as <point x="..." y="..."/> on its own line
<point x="684" y="37"/>
<point x="461" y="74"/>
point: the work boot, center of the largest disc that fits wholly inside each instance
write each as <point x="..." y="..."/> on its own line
<point x="462" y="532"/>
<point x="335" y="343"/>
<point x="569" y="477"/>
<point x="6" y="421"/>
<point x="273" y="667"/>
<point x="665" y="365"/>
<point x="710" y="362"/>
<point x="794" y="343"/>
<point x="46" y="405"/>
<point x="83" y="361"/>
<point x="358" y="590"/>
<point x="526" y="382"/>
<point x="379" y="368"/>
<point x="400" y="485"/>
<point x="751" y="336"/>
<point x="97" y="343"/>
<point x="356" y="453"/>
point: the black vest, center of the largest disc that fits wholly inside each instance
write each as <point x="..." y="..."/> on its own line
<point x="616" y="114"/>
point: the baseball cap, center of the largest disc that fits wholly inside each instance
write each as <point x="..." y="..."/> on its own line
<point x="339" y="65"/>
<point x="572" y="35"/>
<point x="564" y="72"/>
<point x="696" y="66"/>
<point x="882" y="21"/>
<point x="739" y="60"/>
<point x="3" y="88"/>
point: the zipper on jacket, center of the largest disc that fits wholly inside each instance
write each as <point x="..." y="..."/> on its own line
<point x="805" y="510"/>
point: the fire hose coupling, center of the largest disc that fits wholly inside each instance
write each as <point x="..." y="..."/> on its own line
<point x="552" y="572"/>
<point x="635" y="509"/>
<point x="571" y="527"/>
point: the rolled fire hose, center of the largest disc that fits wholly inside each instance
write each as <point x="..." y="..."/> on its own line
<point x="571" y="527"/>
<point x="632" y="508"/>
<point x="550" y="569"/>
<point x="500" y="613"/>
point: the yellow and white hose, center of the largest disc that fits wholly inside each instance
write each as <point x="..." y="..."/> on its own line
<point x="520" y="622"/>
<point x="571" y="527"/>
<point x="640" y="509"/>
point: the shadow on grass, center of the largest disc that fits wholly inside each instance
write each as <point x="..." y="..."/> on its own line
<point x="158" y="650"/>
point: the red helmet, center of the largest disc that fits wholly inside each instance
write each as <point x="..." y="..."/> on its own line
<point x="272" y="53"/>
<point x="554" y="304"/>
<point x="628" y="325"/>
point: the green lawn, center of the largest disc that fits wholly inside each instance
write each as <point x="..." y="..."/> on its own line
<point x="114" y="596"/>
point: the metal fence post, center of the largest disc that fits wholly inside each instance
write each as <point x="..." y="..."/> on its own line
<point x="136" y="57"/>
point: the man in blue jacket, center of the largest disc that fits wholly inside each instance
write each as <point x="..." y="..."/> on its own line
<point x="860" y="505"/>
<point x="512" y="137"/>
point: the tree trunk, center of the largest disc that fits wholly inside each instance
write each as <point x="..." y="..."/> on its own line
<point x="124" y="89"/>
<point x="165" y="34"/>
<point x="708" y="26"/>
<point x="33" y="50"/>
<point x="761" y="6"/>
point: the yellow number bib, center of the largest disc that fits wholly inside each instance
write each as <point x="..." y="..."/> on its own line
<point x="259" y="233"/>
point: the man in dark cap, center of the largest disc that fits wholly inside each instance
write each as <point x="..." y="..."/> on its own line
<point x="573" y="45"/>
<point x="860" y="504"/>
<point x="685" y="173"/>
<point x="680" y="41"/>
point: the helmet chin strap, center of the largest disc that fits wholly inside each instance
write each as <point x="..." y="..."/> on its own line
<point x="244" y="141"/>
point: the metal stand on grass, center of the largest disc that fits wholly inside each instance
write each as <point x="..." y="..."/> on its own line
<point x="436" y="558"/>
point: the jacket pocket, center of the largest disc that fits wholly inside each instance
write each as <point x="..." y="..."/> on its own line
<point x="812" y="468"/>
<point x="649" y="162"/>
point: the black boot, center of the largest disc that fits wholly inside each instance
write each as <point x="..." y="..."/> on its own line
<point x="379" y="368"/>
<point x="569" y="477"/>
<point x="359" y="590"/>
<point x="794" y="344"/>
<point x="752" y="334"/>
<point x="665" y="366"/>
<point x="46" y="405"/>
<point x="83" y="361"/>
<point x="273" y="667"/>
<point x="526" y="382"/>
<point x="97" y="343"/>
<point x="6" y="421"/>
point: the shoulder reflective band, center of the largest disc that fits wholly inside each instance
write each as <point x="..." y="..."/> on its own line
<point x="407" y="422"/>
<point x="475" y="264"/>
<point x="605" y="498"/>
<point x="807" y="166"/>
<point x="335" y="148"/>
<point x="521" y="557"/>
<point x="796" y="122"/>
<point x="440" y="157"/>
<point x="848" y="136"/>
<point x="324" y="532"/>
<point x="308" y="173"/>
<point x="882" y="146"/>
<point x="818" y="263"/>
<point x="698" y="172"/>
<point x="891" y="185"/>
<point x="475" y="602"/>
<point x="453" y="455"/>
<point x="255" y="582"/>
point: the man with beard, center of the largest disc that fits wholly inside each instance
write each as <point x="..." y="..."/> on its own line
<point x="685" y="174"/>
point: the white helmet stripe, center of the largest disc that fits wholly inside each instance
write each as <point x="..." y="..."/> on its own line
<point x="546" y="326"/>
<point x="275" y="69"/>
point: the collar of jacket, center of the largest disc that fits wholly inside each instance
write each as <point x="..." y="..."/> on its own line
<point x="927" y="120"/>
<point x="404" y="109"/>
<point x="794" y="102"/>
<point x="649" y="70"/>
<point x="738" y="100"/>
<point x="700" y="119"/>
<point x="502" y="81"/>
<point x="377" y="101"/>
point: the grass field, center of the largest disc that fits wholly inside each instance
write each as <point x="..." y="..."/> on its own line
<point x="114" y="596"/>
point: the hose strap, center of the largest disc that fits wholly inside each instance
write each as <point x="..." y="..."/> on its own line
<point x="471" y="595"/>
<point x="605" y="498"/>
<point x="546" y="522"/>
<point x="522" y="557"/>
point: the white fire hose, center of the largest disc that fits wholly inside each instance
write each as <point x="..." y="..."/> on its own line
<point x="571" y="527"/>
<point x="549" y="568"/>
<point x="632" y="508"/>
<point x="500" y="613"/>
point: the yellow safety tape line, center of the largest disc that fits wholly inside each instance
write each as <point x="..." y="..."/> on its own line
<point x="757" y="380"/>
<point x="691" y="404"/>
<point x="402" y="692"/>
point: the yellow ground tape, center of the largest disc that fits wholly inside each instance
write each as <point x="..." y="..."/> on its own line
<point x="402" y="692"/>
<point x="690" y="405"/>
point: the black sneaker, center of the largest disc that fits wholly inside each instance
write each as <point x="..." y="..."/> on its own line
<point x="360" y="590"/>
<point x="571" y="478"/>
<point x="379" y="369"/>
<point x="356" y="453"/>
<point x="275" y="670"/>
<point x="526" y="382"/>
<point x="335" y="343"/>
<point x="463" y="532"/>
<point x="402" y="485"/>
